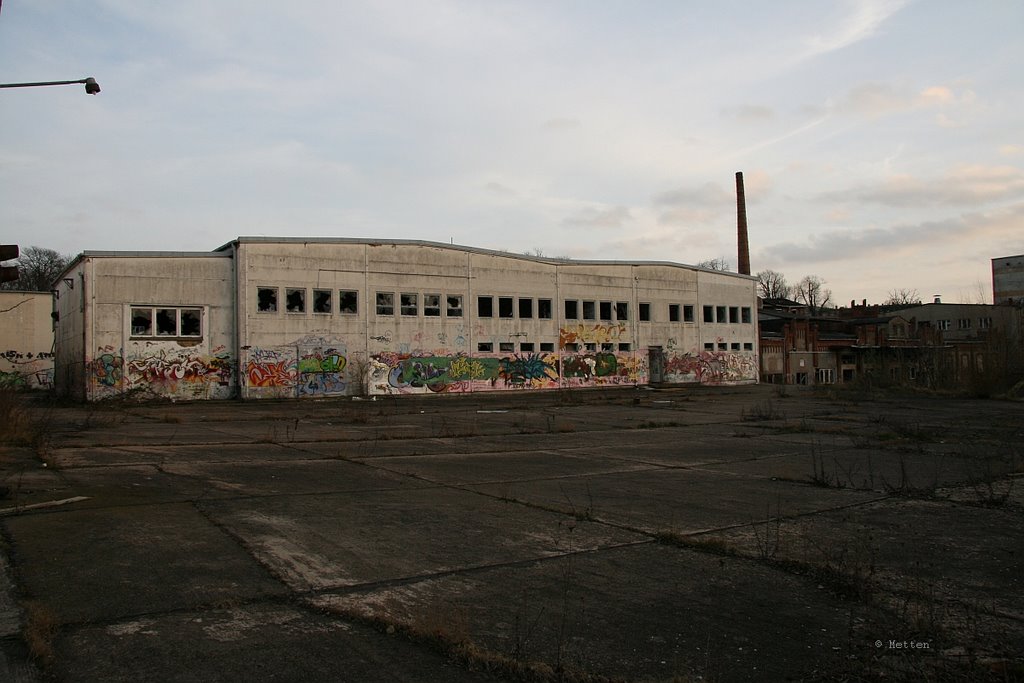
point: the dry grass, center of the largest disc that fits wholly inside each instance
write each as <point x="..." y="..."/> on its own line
<point x="41" y="627"/>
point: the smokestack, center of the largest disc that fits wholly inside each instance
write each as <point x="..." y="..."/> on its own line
<point x="743" y="258"/>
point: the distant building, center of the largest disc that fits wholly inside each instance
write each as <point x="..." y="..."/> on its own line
<point x="1008" y="280"/>
<point x="291" y="317"/>
<point x="26" y="340"/>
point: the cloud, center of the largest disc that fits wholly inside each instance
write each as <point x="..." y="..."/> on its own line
<point x="860" y="24"/>
<point x="604" y="218"/>
<point x="973" y="184"/>
<point x="846" y="245"/>
<point x="749" y="113"/>
<point x="562" y="123"/>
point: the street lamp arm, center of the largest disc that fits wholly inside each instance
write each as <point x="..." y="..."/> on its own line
<point x="91" y="86"/>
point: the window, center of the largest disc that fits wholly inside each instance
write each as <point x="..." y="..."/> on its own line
<point x="385" y="303"/>
<point x="322" y="301"/>
<point x="486" y="347"/>
<point x="607" y="347"/>
<point x="410" y="304"/>
<point x="720" y="314"/>
<point x="506" y="347"/>
<point x="624" y="346"/>
<point x="590" y="346"/>
<point x="454" y="305"/>
<point x="709" y="314"/>
<point x="571" y="310"/>
<point x="645" y="312"/>
<point x="547" y="346"/>
<point x="504" y="307"/>
<point x="826" y="376"/>
<point x="748" y="346"/>
<point x="963" y="324"/>
<point x="485" y="307"/>
<point x="266" y="299"/>
<point x="606" y="310"/>
<point x="722" y="346"/>
<point x="621" y="310"/>
<point x="735" y="346"/>
<point x="432" y="305"/>
<point x="734" y="314"/>
<point x="149" y="321"/>
<point x="347" y="302"/>
<point x="526" y="308"/>
<point x="745" y="315"/>
<point x="942" y="324"/>
<point x="687" y="313"/>
<point x="709" y="346"/>
<point x="526" y="347"/>
<point x="142" y="322"/>
<point x="588" y="310"/>
<point x="985" y="323"/>
<point x="544" y="309"/>
<point x="573" y="346"/>
<point x="673" y="313"/>
<point x="295" y="300"/>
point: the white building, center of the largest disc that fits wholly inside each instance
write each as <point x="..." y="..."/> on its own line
<point x="291" y="317"/>
<point x="1008" y="280"/>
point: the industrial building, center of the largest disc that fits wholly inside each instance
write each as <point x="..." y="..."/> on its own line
<point x="264" y="317"/>
<point x="26" y="340"/>
<point x="1008" y="280"/>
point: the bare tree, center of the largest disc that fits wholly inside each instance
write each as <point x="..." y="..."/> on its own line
<point x="37" y="269"/>
<point x="772" y="285"/>
<point x="903" y="297"/>
<point x="720" y="263"/>
<point x="811" y="292"/>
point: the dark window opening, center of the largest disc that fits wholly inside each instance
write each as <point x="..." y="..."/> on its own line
<point x="295" y="300"/>
<point x="526" y="308"/>
<point x="347" y="302"/>
<point x="687" y="313"/>
<point x="142" y="322"/>
<point x="547" y="346"/>
<point x="709" y="314"/>
<point x="745" y="314"/>
<point x="266" y="299"/>
<point x="606" y="310"/>
<point x="486" y="347"/>
<point x="720" y="315"/>
<point x="734" y="314"/>
<point x="321" y="301"/>
<point x="484" y="307"/>
<point x="526" y="347"/>
<point x="506" y="347"/>
<point x="166" y="322"/>
<point x="571" y="310"/>
<point x="454" y="306"/>
<point x="410" y="304"/>
<point x="645" y="313"/>
<point x="621" y="310"/>
<point x="432" y="305"/>
<point x="673" y="313"/>
<point x="588" y="310"/>
<point x="191" y="322"/>
<point x="544" y="309"/>
<point x="385" y="303"/>
<point x="505" y="306"/>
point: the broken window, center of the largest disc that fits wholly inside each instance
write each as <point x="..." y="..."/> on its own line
<point x="191" y="322"/>
<point x="571" y="310"/>
<point x="485" y="347"/>
<point x="687" y="313"/>
<point x="295" y="300"/>
<point x="385" y="303"/>
<point x="504" y="307"/>
<point x="266" y="299"/>
<point x="321" y="301"/>
<point x="432" y="305"/>
<point x="167" y="322"/>
<point x="506" y="347"/>
<point x="347" y="302"/>
<point x="621" y="310"/>
<point x="588" y="310"/>
<point x="142" y="322"/>
<point x="720" y="314"/>
<point x="526" y="308"/>
<point x="410" y="304"/>
<point x="544" y="309"/>
<point x="485" y="306"/>
<point x="454" y="306"/>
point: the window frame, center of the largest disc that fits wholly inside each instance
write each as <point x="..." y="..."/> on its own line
<point x="154" y="325"/>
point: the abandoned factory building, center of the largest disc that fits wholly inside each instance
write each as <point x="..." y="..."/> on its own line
<point x="268" y="317"/>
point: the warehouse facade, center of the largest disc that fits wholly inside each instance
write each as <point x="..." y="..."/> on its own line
<point x="290" y="317"/>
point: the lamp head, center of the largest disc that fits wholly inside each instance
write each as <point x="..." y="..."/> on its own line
<point x="91" y="86"/>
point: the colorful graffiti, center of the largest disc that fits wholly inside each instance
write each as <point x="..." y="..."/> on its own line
<point x="26" y="370"/>
<point x="437" y="373"/>
<point x="321" y="371"/>
<point x="107" y="370"/>
<point x="179" y="373"/>
<point x="591" y="334"/>
<point x="710" y="367"/>
<point x="311" y="367"/>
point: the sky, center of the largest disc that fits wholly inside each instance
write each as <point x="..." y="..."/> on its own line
<point x="880" y="140"/>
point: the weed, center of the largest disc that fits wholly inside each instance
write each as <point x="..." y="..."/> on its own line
<point x="765" y="410"/>
<point x="768" y="534"/>
<point x="20" y="424"/>
<point x="41" y="627"/>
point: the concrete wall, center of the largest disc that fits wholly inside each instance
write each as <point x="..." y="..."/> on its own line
<point x="185" y="352"/>
<point x="1008" y="280"/>
<point x="302" y="352"/>
<point x="26" y="340"/>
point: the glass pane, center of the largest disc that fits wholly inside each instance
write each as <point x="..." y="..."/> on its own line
<point x="191" y="322"/>
<point x="142" y="321"/>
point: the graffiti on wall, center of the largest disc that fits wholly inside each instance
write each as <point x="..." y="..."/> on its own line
<point x="178" y="372"/>
<point x="26" y="370"/>
<point x="591" y="334"/>
<point x="392" y="373"/>
<point x="106" y="371"/>
<point x="710" y="367"/>
<point x="308" y="367"/>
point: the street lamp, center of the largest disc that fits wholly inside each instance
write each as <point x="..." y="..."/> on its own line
<point x="91" y="86"/>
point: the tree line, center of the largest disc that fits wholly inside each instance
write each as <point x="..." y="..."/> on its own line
<point x="38" y="268"/>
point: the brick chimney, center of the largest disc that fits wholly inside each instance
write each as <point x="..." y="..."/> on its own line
<point x="743" y="257"/>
